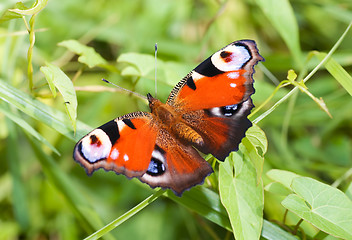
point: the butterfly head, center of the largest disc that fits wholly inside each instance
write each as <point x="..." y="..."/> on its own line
<point x="150" y="98"/>
<point x="153" y="102"/>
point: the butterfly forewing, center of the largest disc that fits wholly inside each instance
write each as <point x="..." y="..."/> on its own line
<point x="123" y="145"/>
<point x="225" y="78"/>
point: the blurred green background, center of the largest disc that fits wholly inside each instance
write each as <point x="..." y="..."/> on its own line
<point x="302" y="138"/>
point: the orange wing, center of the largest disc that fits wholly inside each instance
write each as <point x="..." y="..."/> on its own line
<point x="223" y="79"/>
<point x="124" y="145"/>
<point x="222" y="128"/>
<point x="175" y="165"/>
<point x="214" y="98"/>
<point x="136" y="146"/>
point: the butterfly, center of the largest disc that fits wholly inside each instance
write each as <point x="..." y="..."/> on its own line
<point x="205" y="112"/>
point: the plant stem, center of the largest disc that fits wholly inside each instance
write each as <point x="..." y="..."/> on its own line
<point x="30" y="51"/>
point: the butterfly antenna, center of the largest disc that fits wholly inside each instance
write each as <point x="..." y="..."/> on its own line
<point x="155" y="56"/>
<point x="124" y="89"/>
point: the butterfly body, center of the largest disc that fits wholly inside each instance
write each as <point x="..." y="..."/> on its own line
<point x="207" y="110"/>
<point x="172" y="121"/>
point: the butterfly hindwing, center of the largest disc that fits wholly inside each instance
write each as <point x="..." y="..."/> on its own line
<point x="175" y="165"/>
<point x="221" y="128"/>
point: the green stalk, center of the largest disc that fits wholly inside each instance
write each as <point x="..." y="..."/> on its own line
<point x="30" y="51"/>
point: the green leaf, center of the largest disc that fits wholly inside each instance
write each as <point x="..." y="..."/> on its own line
<point x="326" y="207"/>
<point x="257" y="137"/>
<point x="291" y="75"/>
<point x="8" y="15"/>
<point x="87" y="55"/>
<point x="277" y="188"/>
<point x="37" y="7"/>
<point x="349" y="191"/>
<point x="55" y="76"/>
<point x="281" y="16"/>
<point x="141" y="65"/>
<point x="130" y="71"/>
<point x="242" y="196"/>
<point x="283" y="177"/>
<point x="42" y="112"/>
<point x="50" y="79"/>
<point x="338" y="72"/>
<point x="256" y="145"/>
<point x="28" y="128"/>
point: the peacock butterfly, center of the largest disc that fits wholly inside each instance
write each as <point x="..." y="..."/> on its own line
<point x="207" y="110"/>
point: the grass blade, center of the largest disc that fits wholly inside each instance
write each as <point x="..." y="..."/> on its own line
<point x="42" y="112"/>
<point x="106" y="229"/>
<point x="28" y="128"/>
<point x="338" y="72"/>
<point x="281" y="16"/>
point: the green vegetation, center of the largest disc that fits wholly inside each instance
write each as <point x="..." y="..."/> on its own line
<point x="291" y="178"/>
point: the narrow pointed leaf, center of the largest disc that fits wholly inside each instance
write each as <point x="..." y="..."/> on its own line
<point x="8" y="15"/>
<point x="65" y="87"/>
<point x="87" y="55"/>
<point x="37" y="7"/>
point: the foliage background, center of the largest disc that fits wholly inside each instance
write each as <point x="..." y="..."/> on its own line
<point x="301" y="137"/>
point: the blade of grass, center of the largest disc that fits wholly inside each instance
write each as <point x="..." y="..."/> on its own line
<point x="20" y="201"/>
<point x="28" y="128"/>
<point x="338" y="72"/>
<point x="90" y="219"/>
<point x="281" y="16"/>
<point x="42" y="112"/>
<point x="278" y="103"/>
<point x="118" y="221"/>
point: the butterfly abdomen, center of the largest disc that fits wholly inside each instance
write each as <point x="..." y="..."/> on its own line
<point x="186" y="133"/>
